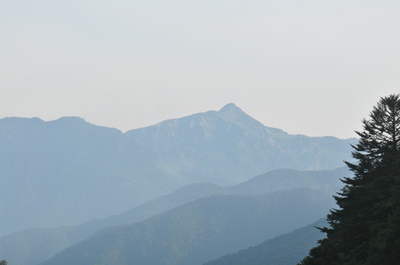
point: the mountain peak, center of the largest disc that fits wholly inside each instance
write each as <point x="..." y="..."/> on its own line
<point x="232" y="113"/>
<point x="230" y="108"/>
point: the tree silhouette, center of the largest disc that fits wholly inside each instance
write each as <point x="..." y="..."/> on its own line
<point x="365" y="228"/>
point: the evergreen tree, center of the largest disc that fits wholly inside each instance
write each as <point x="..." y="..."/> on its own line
<point x="365" y="229"/>
<point x="3" y="262"/>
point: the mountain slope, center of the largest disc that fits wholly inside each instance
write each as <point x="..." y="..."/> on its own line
<point x="227" y="146"/>
<point x="201" y="230"/>
<point x="287" y="249"/>
<point x="281" y="179"/>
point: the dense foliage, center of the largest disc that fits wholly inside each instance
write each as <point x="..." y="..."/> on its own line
<point x="365" y="229"/>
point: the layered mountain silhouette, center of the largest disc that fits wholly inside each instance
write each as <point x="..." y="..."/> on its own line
<point x="68" y="171"/>
<point x="202" y="230"/>
<point x="35" y="245"/>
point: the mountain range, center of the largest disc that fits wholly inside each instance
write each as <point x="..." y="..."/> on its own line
<point x="32" y="246"/>
<point x="228" y="146"/>
<point x="71" y="186"/>
<point x="68" y="171"/>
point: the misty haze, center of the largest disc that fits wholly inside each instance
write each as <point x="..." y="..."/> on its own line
<point x="199" y="132"/>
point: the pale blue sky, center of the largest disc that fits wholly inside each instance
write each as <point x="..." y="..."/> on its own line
<point x="307" y="67"/>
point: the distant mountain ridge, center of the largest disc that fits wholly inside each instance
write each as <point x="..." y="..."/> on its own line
<point x="35" y="245"/>
<point x="194" y="146"/>
<point x="68" y="171"/>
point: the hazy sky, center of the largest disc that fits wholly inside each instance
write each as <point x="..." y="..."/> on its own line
<point x="307" y="67"/>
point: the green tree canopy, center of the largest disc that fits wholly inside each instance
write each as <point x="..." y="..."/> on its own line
<point x="365" y="228"/>
<point x="3" y="262"/>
